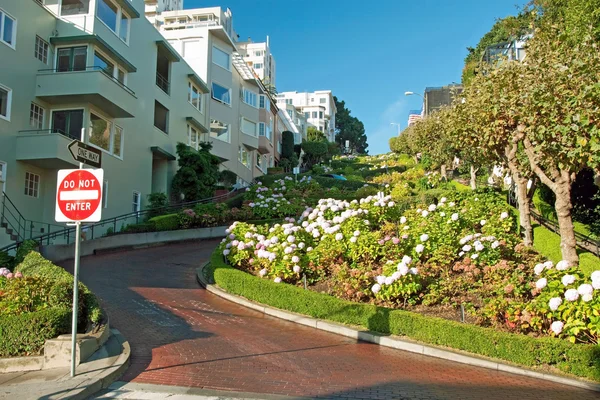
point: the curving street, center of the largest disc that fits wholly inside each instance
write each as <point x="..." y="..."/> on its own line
<point x="184" y="336"/>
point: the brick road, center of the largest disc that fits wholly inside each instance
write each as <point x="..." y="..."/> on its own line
<point x="182" y="335"/>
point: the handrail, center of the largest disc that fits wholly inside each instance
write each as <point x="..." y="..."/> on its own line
<point x="584" y="241"/>
<point x="67" y="232"/>
<point x="16" y="219"/>
<point x="50" y="132"/>
<point x="90" y="68"/>
<point x="162" y="83"/>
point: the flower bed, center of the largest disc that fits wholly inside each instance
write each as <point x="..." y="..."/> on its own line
<point x="35" y="305"/>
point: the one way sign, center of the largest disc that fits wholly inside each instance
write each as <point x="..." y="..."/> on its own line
<point x="86" y="154"/>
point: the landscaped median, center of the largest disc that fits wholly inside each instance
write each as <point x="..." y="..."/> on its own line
<point x="544" y="355"/>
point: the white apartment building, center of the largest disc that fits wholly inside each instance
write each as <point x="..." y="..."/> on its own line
<point x="258" y="56"/>
<point x="238" y="127"/>
<point x="155" y="7"/>
<point x="318" y="108"/>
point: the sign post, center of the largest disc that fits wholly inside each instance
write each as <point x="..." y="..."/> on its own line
<point x="296" y="172"/>
<point x="78" y="199"/>
<point x="85" y="154"/>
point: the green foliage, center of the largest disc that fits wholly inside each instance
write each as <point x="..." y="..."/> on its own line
<point x="399" y="144"/>
<point x="315" y="152"/>
<point x="169" y="222"/>
<point x="348" y="127"/>
<point x="156" y="201"/>
<point x="315" y="135"/>
<point x="287" y="144"/>
<point x="236" y="201"/>
<point x="24" y="249"/>
<point x="25" y="334"/>
<point x="227" y="178"/>
<point x="579" y="360"/>
<point x="366" y="191"/>
<point x="198" y="172"/>
<point x="6" y="260"/>
<point x="275" y="170"/>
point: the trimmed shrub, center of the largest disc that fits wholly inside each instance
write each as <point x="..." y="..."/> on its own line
<point x="156" y="202"/>
<point x="366" y="191"/>
<point x="577" y="359"/>
<point x="287" y="144"/>
<point x="169" y="222"/>
<point x="25" y="334"/>
<point x="6" y="260"/>
<point x="138" y="228"/>
<point x="25" y="248"/>
<point x="275" y="170"/>
<point x="236" y="201"/>
<point x="338" y="183"/>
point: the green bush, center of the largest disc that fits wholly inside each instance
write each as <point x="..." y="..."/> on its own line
<point x="236" y="201"/>
<point x="577" y="359"/>
<point x="6" y="260"/>
<point x="156" y="202"/>
<point x="227" y="178"/>
<point x="169" y="222"/>
<point x="366" y="191"/>
<point x="25" y="248"/>
<point x="138" y="228"/>
<point x="36" y="265"/>
<point x="337" y="183"/>
<point x="275" y="170"/>
<point x="25" y="334"/>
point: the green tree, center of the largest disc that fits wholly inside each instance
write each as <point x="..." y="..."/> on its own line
<point x="198" y="172"/>
<point x="348" y="127"/>
<point x="314" y="152"/>
<point x="314" y="135"/>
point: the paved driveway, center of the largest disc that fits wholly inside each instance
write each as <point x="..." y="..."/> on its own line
<point x="182" y="335"/>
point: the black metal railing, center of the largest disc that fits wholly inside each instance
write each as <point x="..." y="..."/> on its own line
<point x="100" y="229"/>
<point x="162" y="83"/>
<point x="50" y="132"/>
<point x="585" y="242"/>
<point x="106" y="72"/>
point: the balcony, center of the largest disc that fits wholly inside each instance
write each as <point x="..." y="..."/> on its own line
<point x="264" y="145"/>
<point x="45" y="149"/>
<point x="91" y="85"/>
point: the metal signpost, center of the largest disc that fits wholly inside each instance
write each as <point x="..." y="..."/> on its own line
<point x="296" y="172"/>
<point x="78" y="199"/>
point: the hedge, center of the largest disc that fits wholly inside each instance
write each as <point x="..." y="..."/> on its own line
<point x="168" y="222"/>
<point x="338" y="183"/>
<point x="577" y="359"/>
<point x="36" y="265"/>
<point x="25" y="334"/>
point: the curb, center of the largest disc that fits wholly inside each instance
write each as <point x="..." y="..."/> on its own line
<point x="388" y="341"/>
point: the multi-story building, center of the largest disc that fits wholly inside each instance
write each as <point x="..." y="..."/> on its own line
<point x="98" y="72"/>
<point x="155" y="7"/>
<point x="318" y="108"/>
<point x="241" y="128"/>
<point x="438" y="97"/>
<point x="258" y="56"/>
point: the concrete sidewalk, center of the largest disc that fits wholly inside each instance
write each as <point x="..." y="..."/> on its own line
<point x="143" y="391"/>
<point x="98" y="372"/>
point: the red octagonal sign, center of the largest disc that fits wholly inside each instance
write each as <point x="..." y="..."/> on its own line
<point x="79" y="195"/>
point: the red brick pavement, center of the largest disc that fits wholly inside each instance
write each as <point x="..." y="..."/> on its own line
<point x="182" y="335"/>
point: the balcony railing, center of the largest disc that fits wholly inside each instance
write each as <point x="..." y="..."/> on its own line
<point x="188" y="25"/>
<point x="162" y="83"/>
<point x="49" y="132"/>
<point x="90" y="68"/>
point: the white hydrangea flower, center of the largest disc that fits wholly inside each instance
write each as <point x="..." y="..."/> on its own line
<point x="376" y="288"/>
<point x="425" y="213"/>
<point x="585" y="288"/>
<point x="442" y="214"/>
<point x="309" y="249"/>
<point x="454" y="217"/>
<point x="262" y="272"/>
<point x="403" y="220"/>
<point x="474" y="256"/>
<point x="296" y="269"/>
<point x="353" y="239"/>
<point x="504" y="215"/>
<point x="419" y="249"/>
<point x="562" y="265"/>
<point x="380" y="279"/>
<point x="301" y="245"/>
<point x="432" y="207"/>
<point x="568" y="279"/>
<point x="467" y="247"/>
<point x="479" y="246"/>
<point x="548" y="264"/>
<point x="571" y="295"/>
<point x="541" y="283"/>
<point x="462" y="253"/>
<point x="495" y="244"/>
<point x="451" y="204"/>
<point x="443" y="200"/>
<point x="414" y="271"/>
<point x="538" y="269"/>
<point x="406" y="227"/>
<point x="482" y="222"/>
<point x="295" y="259"/>
<point x="226" y="252"/>
<point x="557" y="327"/>
<point x="389" y="280"/>
<point x="339" y="236"/>
<point x="424" y="237"/>
<point x="396" y="275"/>
<point x="554" y="303"/>
<point x="596" y="276"/>
<point x="403" y="269"/>
<point x="406" y="260"/>
<point x="277" y="280"/>
<point x="587" y="297"/>
<point x="356" y="233"/>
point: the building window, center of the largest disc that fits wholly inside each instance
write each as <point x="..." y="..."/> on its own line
<point x="307" y="115"/>
<point x="32" y="184"/>
<point x="105" y="135"/>
<point x="289" y="101"/>
<point x="192" y="137"/>
<point x="2" y="176"/>
<point x="250" y="98"/>
<point x="137" y="202"/>
<point x="124" y="28"/>
<point x="5" y="102"/>
<point x="314" y="114"/>
<point x="258" y="53"/>
<point x="100" y="62"/>
<point x="322" y="100"/>
<point x="264" y="102"/>
<point x="194" y="96"/>
<point x="248" y="127"/>
<point x="261" y="129"/>
<point x="36" y="116"/>
<point x="74" y="7"/>
<point x="163" y="71"/>
<point x="245" y="157"/>
<point x="258" y="66"/>
<point x="161" y="117"/>
<point x="219" y="130"/>
<point x="221" y="93"/>
<point x="291" y="114"/>
<point x="71" y="59"/>
<point x="220" y="58"/>
<point x="41" y="49"/>
<point x="321" y="114"/>
<point x="121" y="76"/>
<point x="105" y="194"/>
<point x="8" y="29"/>
<point x="68" y="123"/>
<point x="108" y="13"/>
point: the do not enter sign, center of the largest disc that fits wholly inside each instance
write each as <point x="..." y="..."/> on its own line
<point x="79" y="195"/>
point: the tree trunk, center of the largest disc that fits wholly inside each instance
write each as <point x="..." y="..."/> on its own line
<point x="563" y="206"/>
<point x="524" y="209"/>
<point x="474" y="177"/>
<point x="443" y="172"/>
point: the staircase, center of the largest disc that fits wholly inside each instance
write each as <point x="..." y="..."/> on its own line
<point x="11" y="219"/>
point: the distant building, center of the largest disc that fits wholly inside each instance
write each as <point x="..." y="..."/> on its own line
<point x="513" y="50"/>
<point x="258" y="57"/>
<point x="318" y="108"/>
<point x="438" y="97"/>
<point x="155" y="7"/>
<point x="414" y="116"/>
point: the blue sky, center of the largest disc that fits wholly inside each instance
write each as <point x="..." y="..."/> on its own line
<point x="367" y="52"/>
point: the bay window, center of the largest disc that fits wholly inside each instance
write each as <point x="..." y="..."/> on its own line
<point x="68" y="123"/>
<point x="105" y="135"/>
<point x="71" y="59"/>
<point x="250" y="98"/>
<point x="113" y="17"/>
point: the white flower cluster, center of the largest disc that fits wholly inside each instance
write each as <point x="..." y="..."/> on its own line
<point x="476" y="242"/>
<point x="402" y="270"/>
